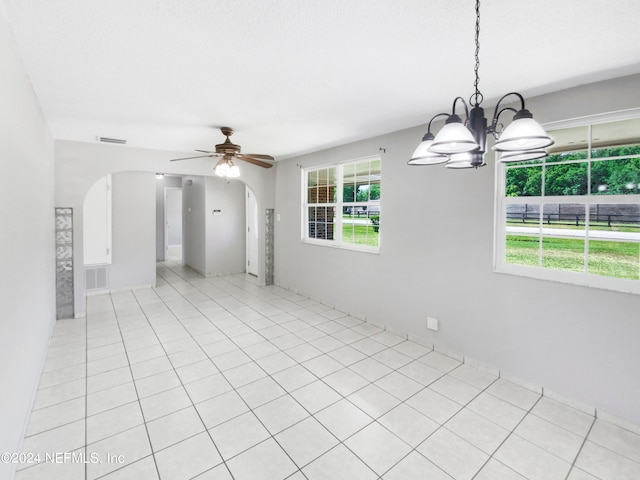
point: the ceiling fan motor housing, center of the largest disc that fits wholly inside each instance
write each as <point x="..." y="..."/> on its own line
<point x="227" y="148"/>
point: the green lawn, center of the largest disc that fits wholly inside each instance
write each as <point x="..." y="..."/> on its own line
<point x="360" y="235"/>
<point x="608" y="258"/>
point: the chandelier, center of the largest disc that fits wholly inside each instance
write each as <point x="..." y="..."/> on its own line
<point x="463" y="144"/>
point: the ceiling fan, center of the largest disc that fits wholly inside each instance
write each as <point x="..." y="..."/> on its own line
<point x="227" y="150"/>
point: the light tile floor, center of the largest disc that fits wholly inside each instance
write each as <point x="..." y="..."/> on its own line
<point x="220" y="378"/>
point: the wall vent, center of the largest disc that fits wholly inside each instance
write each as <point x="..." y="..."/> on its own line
<point x="112" y="140"/>
<point x="95" y="278"/>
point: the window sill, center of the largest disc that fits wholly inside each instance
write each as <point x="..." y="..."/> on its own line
<point x="620" y="285"/>
<point x="342" y="246"/>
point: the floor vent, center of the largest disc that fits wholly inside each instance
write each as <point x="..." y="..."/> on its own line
<point x="95" y="278"/>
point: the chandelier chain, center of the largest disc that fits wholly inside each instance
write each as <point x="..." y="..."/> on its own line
<point x="476" y="98"/>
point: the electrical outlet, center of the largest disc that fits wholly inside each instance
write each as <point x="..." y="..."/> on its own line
<point x="432" y="323"/>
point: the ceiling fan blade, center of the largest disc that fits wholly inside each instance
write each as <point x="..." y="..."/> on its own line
<point x="189" y="158"/>
<point x="258" y="156"/>
<point x="254" y="161"/>
<point x="204" y="151"/>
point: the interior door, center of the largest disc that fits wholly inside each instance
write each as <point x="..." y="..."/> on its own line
<point x="96" y="212"/>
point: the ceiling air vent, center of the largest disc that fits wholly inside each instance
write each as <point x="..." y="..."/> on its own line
<point x="112" y="140"/>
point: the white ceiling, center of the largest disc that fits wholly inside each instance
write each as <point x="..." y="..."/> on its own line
<point x="293" y="76"/>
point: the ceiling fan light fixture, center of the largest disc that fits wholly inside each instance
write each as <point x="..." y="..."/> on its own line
<point x="225" y="168"/>
<point x="234" y="171"/>
<point x="222" y="167"/>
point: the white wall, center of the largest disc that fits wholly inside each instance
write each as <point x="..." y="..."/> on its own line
<point x="195" y="225"/>
<point x="80" y="164"/>
<point x="226" y="238"/>
<point x="436" y="259"/>
<point x="133" y="261"/>
<point x="27" y="283"/>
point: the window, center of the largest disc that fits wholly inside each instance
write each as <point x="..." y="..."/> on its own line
<point x="341" y="205"/>
<point x="574" y="216"/>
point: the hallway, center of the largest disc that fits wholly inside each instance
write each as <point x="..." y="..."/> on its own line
<point x="219" y="378"/>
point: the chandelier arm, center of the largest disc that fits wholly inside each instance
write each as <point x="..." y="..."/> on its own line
<point x="497" y="111"/>
<point x="466" y="107"/>
<point x="434" y="117"/>
<point x="493" y="128"/>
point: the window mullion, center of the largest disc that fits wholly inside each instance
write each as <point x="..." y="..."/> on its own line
<point x="587" y="222"/>
<point x="589" y="159"/>
<point x="338" y="207"/>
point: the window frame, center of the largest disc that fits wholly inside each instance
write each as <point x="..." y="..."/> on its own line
<point x="338" y="205"/>
<point x="583" y="278"/>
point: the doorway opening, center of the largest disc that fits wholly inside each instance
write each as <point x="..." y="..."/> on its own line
<point x="173" y="224"/>
<point x="252" y="233"/>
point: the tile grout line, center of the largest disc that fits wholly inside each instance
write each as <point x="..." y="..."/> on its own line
<point x="584" y="442"/>
<point x="310" y="414"/>
<point x="181" y="384"/>
<point x="234" y="389"/>
<point x="368" y="356"/>
<point x="242" y="292"/>
<point x="440" y="426"/>
<point x="386" y="347"/>
<point x="126" y="352"/>
<point x="511" y="432"/>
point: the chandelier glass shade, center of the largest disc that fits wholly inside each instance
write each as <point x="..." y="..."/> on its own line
<point x="517" y="156"/>
<point x="424" y="156"/>
<point x="463" y="143"/>
<point x="523" y="134"/>
<point x="454" y="137"/>
<point x="465" y="160"/>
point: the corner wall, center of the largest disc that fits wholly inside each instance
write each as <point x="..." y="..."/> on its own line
<point x="436" y="259"/>
<point x="27" y="243"/>
<point x="133" y="261"/>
